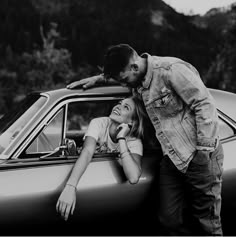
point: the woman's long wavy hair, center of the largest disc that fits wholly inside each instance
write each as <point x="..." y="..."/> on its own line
<point x="139" y="117"/>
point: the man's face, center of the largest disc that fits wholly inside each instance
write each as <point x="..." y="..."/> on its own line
<point x="129" y="77"/>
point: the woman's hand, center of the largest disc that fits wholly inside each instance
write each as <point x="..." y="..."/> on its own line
<point x="66" y="202"/>
<point x="124" y="129"/>
<point x="87" y="82"/>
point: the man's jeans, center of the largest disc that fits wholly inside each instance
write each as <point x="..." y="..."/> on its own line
<point x="190" y="202"/>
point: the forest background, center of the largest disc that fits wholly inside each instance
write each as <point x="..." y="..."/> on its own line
<point x="48" y="44"/>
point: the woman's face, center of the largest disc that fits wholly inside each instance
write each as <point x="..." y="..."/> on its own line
<point x="123" y="112"/>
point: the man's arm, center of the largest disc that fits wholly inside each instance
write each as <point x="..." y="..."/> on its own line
<point x="92" y="81"/>
<point x="188" y="85"/>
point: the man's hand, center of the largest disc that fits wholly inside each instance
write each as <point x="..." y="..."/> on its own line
<point x="201" y="157"/>
<point x="87" y="82"/>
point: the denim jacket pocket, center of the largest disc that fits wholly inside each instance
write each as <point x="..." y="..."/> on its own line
<point x="163" y="100"/>
<point x="167" y="105"/>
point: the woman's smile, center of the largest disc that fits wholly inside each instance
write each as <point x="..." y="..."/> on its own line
<point x="116" y="111"/>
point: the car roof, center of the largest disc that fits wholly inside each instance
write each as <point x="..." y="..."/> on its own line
<point x="225" y="101"/>
<point x="95" y="91"/>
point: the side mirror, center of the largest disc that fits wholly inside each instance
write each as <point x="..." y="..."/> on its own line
<point x="68" y="148"/>
<point x="70" y="145"/>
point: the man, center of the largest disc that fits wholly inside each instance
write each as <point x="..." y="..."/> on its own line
<point x="185" y="119"/>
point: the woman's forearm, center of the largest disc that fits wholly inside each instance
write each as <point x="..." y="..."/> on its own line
<point x="130" y="162"/>
<point x="80" y="167"/>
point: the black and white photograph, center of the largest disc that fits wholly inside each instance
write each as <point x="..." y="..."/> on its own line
<point x="117" y="117"/>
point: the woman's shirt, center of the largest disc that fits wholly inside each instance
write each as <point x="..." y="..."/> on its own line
<point x="99" y="130"/>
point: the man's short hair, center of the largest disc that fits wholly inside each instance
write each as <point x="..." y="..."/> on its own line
<point x="116" y="59"/>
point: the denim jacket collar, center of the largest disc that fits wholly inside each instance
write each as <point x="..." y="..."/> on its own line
<point x="148" y="77"/>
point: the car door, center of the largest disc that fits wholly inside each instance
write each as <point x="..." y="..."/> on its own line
<point x="31" y="183"/>
<point x="228" y="139"/>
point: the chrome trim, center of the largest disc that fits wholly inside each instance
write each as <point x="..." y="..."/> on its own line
<point x="86" y="96"/>
<point x="228" y="139"/>
<point x="64" y="122"/>
<point x="227" y="119"/>
<point x="63" y="132"/>
<point x="52" y="113"/>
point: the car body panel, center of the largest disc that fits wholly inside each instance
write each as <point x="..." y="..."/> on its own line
<point x="225" y="102"/>
<point x="30" y="185"/>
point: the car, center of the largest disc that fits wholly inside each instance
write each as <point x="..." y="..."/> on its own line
<point x="40" y="140"/>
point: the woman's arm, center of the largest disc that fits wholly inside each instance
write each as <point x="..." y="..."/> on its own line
<point x="66" y="202"/>
<point x="131" y="162"/>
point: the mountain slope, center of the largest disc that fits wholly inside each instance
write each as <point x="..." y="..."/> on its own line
<point x="89" y="26"/>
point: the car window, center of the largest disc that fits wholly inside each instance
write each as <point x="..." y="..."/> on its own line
<point x="225" y="129"/>
<point x="81" y="113"/>
<point x="50" y="137"/>
<point x="16" y="119"/>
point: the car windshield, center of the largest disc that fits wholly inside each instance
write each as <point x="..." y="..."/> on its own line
<point x="15" y="120"/>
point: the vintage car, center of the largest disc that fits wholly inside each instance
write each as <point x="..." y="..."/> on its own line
<point x="40" y="141"/>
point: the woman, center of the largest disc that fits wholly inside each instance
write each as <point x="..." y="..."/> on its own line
<point x="120" y="132"/>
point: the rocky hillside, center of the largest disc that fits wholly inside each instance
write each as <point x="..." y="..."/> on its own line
<point x="89" y="26"/>
<point x="44" y="42"/>
<point x="222" y="23"/>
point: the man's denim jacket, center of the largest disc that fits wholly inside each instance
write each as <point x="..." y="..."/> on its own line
<point x="180" y="107"/>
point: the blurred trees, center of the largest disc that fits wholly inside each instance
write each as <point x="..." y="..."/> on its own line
<point x="48" y="67"/>
<point x="46" y="44"/>
<point x="222" y="72"/>
<point x="44" y="68"/>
